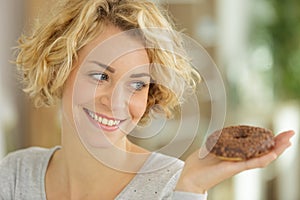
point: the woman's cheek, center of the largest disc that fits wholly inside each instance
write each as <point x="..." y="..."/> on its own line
<point x="138" y="105"/>
<point x="83" y="92"/>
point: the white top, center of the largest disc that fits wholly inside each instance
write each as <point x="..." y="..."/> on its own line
<point x="22" y="177"/>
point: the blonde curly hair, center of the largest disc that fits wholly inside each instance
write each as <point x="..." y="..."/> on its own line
<point x="46" y="58"/>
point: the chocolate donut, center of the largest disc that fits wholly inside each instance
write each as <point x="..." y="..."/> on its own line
<point x="240" y="142"/>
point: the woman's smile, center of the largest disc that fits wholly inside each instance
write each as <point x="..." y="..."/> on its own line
<point x="102" y="121"/>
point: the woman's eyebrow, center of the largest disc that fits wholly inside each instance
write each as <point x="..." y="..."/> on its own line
<point x="139" y="75"/>
<point x="106" y="67"/>
<point x="112" y="70"/>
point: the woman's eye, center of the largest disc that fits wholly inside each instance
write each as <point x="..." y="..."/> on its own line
<point x="99" y="76"/>
<point x="138" y="85"/>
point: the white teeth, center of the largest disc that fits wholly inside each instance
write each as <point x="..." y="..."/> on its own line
<point x="110" y="123"/>
<point x="104" y="121"/>
<point x="92" y="114"/>
<point x="99" y="119"/>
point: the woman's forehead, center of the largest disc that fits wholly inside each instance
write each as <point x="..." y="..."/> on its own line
<point x="113" y="42"/>
<point x="114" y="46"/>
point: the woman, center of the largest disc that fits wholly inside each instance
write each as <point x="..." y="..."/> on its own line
<point x="110" y="62"/>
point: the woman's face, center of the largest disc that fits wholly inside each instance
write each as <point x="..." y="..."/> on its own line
<point x="106" y="94"/>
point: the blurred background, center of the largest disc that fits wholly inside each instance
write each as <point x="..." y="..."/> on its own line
<point x="256" y="46"/>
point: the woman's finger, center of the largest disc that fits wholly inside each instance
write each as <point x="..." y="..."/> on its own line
<point x="282" y="141"/>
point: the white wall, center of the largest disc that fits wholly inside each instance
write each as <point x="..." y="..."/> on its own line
<point x="233" y="24"/>
<point x="11" y="20"/>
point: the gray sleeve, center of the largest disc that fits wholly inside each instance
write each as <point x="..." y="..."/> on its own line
<point x="22" y="174"/>
<point x="170" y="194"/>
<point x="7" y="178"/>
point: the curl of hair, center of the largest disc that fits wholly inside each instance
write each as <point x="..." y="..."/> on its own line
<point x="46" y="58"/>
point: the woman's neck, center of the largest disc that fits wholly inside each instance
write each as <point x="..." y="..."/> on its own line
<point x="77" y="169"/>
<point x="122" y="155"/>
<point x="80" y="178"/>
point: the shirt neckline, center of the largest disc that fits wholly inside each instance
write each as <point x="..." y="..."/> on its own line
<point x="146" y="168"/>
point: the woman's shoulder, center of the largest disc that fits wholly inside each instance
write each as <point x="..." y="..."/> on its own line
<point x="28" y="155"/>
<point x="161" y="167"/>
<point x="156" y="179"/>
<point x="25" y="160"/>
<point x="23" y="170"/>
<point x="158" y="162"/>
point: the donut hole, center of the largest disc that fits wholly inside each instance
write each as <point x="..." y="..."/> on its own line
<point x="243" y="136"/>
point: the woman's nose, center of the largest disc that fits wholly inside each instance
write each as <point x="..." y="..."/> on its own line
<point x="113" y="97"/>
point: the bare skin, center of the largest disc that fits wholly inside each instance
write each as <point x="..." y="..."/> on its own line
<point x="82" y="178"/>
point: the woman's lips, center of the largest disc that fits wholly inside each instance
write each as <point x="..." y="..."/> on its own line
<point x="103" y="122"/>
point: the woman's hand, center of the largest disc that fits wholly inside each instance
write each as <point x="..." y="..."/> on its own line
<point x="199" y="175"/>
